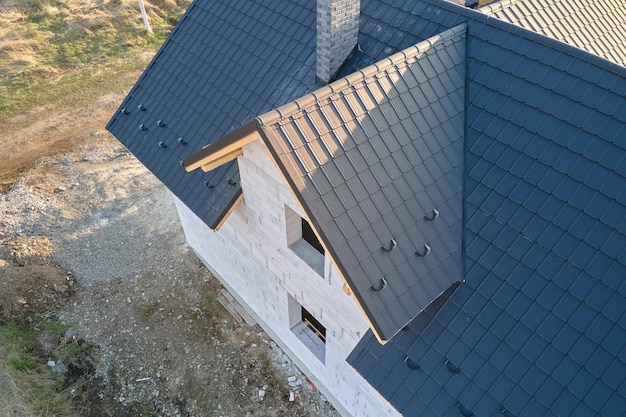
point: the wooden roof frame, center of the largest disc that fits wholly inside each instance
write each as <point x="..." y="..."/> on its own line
<point x="224" y="150"/>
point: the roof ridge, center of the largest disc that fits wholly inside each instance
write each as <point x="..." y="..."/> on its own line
<point x="359" y="77"/>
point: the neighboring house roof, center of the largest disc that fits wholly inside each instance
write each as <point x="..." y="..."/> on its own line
<point x="538" y="327"/>
<point x="222" y="65"/>
<point x="596" y="26"/>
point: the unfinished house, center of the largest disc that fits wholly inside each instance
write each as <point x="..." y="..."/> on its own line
<point x="424" y="205"/>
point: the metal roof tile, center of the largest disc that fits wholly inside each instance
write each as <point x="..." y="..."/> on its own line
<point x="245" y="105"/>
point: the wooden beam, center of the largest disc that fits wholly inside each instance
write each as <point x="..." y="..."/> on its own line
<point x="217" y="162"/>
<point x="225" y="146"/>
<point x="229" y="212"/>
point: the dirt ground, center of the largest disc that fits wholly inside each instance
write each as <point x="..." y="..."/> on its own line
<point x="90" y="237"/>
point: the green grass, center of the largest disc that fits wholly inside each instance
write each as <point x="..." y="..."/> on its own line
<point x="51" y="49"/>
<point x="144" y="410"/>
<point x="27" y="384"/>
<point x="147" y="311"/>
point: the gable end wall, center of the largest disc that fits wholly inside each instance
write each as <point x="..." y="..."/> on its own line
<point x="254" y="240"/>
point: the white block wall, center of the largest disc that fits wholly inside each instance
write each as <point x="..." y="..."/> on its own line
<point x="250" y="256"/>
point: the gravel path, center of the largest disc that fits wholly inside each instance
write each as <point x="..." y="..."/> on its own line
<point x="107" y="216"/>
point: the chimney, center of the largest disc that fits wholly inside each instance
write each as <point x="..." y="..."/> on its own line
<point x="337" y="35"/>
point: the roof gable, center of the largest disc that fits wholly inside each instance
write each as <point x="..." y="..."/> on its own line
<point x="596" y="26"/>
<point x="369" y="158"/>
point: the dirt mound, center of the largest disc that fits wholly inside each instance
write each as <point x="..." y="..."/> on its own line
<point x="23" y="249"/>
<point x="32" y="283"/>
<point x="163" y="343"/>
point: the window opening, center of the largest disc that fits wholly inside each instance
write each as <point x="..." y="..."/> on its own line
<point x="309" y="235"/>
<point x="312" y="323"/>
<point x="307" y="328"/>
<point x="302" y="240"/>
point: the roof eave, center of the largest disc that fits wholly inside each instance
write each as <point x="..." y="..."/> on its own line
<point x="222" y="151"/>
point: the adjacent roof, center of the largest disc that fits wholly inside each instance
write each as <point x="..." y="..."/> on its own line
<point x="596" y="26"/>
<point x="369" y="158"/>
<point x="222" y="65"/>
<point x="539" y="325"/>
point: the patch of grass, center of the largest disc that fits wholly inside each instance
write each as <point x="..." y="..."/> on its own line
<point x="22" y="362"/>
<point x="147" y="312"/>
<point x="12" y="334"/>
<point x="49" y="48"/>
<point x="201" y="393"/>
<point x="213" y="307"/>
<point x="27" y="385"/>
<point x="144" y="410"/>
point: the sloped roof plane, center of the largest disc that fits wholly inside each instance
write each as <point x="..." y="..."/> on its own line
<point x="375" y="160"/>
<point x="222" y="65"/>
<point x="370" y="158"/>
<point x="596" y="26"/>
<point x="538" y="326"/>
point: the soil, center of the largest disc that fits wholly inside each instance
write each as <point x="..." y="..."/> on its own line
<point x="90" y="238"/>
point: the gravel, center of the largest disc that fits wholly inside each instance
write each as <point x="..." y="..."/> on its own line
<point x="165" y="344"/>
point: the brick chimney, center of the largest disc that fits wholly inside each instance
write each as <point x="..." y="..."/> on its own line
<point x="337" y="35"/>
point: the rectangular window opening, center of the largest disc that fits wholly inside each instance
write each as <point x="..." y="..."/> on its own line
<point x="307" y="329"/>
<point x="303" y="241"/>
<point x="309" y="235"/>
<point x="312" y="323"/>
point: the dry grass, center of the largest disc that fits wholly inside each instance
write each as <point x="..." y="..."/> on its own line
<point x="27" y="385"/>
<point x="45" y="42"/>
<point x="51" y="49"/>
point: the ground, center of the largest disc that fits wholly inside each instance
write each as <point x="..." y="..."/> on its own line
<point x="91" y="240"/>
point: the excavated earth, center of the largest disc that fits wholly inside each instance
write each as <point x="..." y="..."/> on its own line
<point x="90" y="238"/>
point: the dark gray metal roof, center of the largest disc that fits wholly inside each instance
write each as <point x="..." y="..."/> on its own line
<point x="538" y="328"/>
<point x="370" y="157"/>
<point x="223" y="64"/>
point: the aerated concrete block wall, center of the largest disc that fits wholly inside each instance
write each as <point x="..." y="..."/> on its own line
<point x="250" y="254"/>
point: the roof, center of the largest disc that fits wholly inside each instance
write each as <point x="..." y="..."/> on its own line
<point x="538" y="327"/>
<point x="369" y="158"/>
<point x="595" y="26"/>
<point x="221" y="66"/>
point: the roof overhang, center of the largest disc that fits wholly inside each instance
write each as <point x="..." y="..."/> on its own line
<point x="222" y="151"/>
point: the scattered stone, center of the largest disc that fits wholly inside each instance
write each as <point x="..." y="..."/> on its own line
<point x="189" y="371"/>
<point x="57" y="366"/>
<point x="71" y="332"/>
<point x="294" y="381"/>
